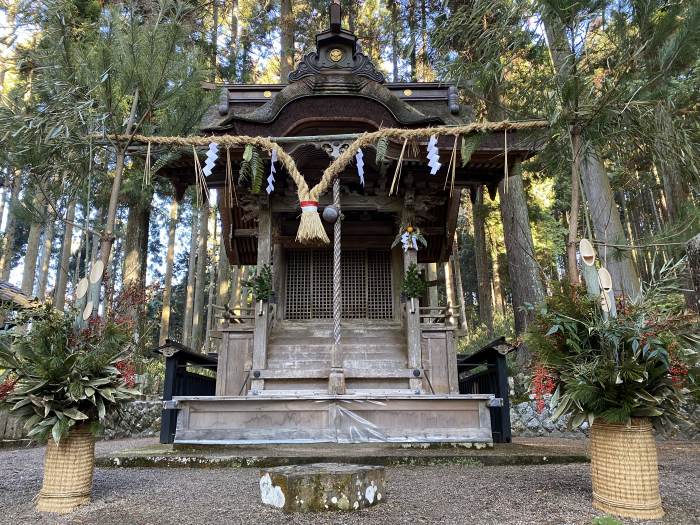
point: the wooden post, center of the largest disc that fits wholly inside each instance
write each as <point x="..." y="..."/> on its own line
<point x="431" y="276"/>
<point x="458" y="285"/>
<point x="693" y="249"/>
<point x="413" y="335"/>
<point x="450" y="290"/>
<point x="262" y="317"/>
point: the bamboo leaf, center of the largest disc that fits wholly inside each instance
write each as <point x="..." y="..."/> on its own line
<point x="469" y="145"/>
<point x="257" y="168"/>
<point x="248" y="153"/>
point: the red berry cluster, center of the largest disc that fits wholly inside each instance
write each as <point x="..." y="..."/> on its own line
<point x="128" y="372"/>
<point x="543" y="383"/>
<point x="7" y="386"/>
<point x="678" y="371"/>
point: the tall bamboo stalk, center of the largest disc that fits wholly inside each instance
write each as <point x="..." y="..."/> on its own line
<point x="482" y="262"/>
<point x="62" y="271"/>
<point x="168" y="281"/>
<point x="30" y="257"/>
<point x="45" y="260"/>
<point x="10" y="229"/>
<point x="200" y="276"/>
<point x="191" y="268"/>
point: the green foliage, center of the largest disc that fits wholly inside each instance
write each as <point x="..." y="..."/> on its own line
<point x="84" y="68"/>
<point x="60" y="376"/>
<point x="252" y="168"/>
<point x="469" y="145"/>
<point x="260" y="283"/>
<point x="413" y="285"/>
<point x="479" y="336"/>
<point x="642" y="363"/>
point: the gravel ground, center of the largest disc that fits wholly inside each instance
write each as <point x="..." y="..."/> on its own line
<point x="453" y="494"/>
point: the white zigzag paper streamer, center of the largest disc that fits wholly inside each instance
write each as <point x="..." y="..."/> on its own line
<point x="271" y="179"/>
<point x="405" y="241"/>
<point x="360" y="166"/>
<point x="433" y="155"/>
<point x="409" y="241"/>
<point x="212" y="155"/>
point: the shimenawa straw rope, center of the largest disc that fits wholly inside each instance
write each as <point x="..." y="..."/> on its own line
<point x="311" y="229"/>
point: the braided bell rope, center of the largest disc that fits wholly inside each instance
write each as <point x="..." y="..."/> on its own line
<point x="338" y="165"/>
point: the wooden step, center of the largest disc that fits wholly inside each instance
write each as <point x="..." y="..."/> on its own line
<point x="303" y="364"/>
<point x="322" y="373"/>
<point x="374" y="339"/>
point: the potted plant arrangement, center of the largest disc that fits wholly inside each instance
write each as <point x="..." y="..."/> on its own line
<point x="625" y="375"/>
<point x="62" y="381"/>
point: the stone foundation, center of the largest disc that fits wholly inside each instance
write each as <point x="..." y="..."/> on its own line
<point x="322" y="486"/>
<point x="142" y="419"/>
<point x="136" y="419"/>
<point x="526" y="421"/>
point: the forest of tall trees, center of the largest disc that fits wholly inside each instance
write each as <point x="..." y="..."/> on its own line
<point x="618" y="81"/>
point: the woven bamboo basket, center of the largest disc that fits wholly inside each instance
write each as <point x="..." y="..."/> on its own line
<point x="624" y="469"/>
<point x="68" y="469"/>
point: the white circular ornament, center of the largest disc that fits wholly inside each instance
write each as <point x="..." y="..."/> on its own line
<point x="605" y="279"/>
<point x="88" y="311"/>
<point x="96" y="272"/>
<point x="82" y="288"/>
<point x="587" y="252"/>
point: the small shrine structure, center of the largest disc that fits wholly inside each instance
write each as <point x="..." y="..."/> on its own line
<point x="336" y="353"/>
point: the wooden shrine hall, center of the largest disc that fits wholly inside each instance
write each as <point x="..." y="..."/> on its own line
<point x="337" y="354"/>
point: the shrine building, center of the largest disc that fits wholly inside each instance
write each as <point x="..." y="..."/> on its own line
<point x="342" y="356"/>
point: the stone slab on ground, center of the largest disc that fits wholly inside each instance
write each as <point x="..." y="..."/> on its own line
<point x="322" y="486"/>
<point x="524" y="452"/>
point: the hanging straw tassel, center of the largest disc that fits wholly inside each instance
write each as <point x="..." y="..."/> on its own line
<point x="229" y="186"/>
<point x="311" y="230"/>
<point x="451" y="168"/>
<point x="200" y="180"/>
<point x="147" y="168"/>
<point x="397" y="174"/>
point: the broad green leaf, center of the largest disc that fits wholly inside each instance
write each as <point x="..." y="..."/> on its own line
<point x="248" y="152"/>
<point x="76" y="414"/>
<point x="57" y="432"/>
<point x="553" y="330"/>
<point x="100" y="407"/>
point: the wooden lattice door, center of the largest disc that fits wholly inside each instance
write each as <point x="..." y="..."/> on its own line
<point x="366" y="284"/>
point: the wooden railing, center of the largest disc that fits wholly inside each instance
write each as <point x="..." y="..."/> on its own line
<point x="239" y="315"/>
<point x="436" y="316"/>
